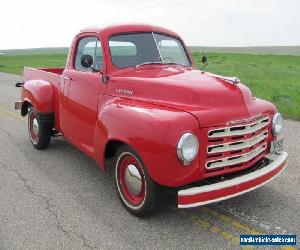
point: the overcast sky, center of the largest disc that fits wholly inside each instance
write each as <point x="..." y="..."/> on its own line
<point x="36" y="23"/>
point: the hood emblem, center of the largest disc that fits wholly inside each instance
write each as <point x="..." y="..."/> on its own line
<point x="244" y="120"/>
<point x="124" y="91"/>
<point x="230" y="79"/>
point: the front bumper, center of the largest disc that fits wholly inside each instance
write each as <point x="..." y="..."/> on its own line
<point x="222" y="190"/>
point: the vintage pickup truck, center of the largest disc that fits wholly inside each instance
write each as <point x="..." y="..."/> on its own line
<point x="131" y="95"/>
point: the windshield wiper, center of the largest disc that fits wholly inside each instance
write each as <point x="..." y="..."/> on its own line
<point x="148" y="63"/>
<point x="162" y="63"/>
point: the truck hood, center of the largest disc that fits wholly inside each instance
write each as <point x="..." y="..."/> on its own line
<point x="212" y="100"/>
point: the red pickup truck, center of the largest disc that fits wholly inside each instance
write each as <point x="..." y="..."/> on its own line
<point x="132" y="93"/>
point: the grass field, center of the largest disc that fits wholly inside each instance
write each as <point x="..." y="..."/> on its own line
<point x="272" y="77"/>
<point x="14" y="63"/>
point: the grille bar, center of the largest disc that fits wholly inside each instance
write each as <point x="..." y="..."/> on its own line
<point x="237" y="145"/>
<point x="240" y="129"/>
<point x="241" y="158"/>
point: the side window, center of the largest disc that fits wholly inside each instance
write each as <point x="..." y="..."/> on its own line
<point x="89" y="46"/>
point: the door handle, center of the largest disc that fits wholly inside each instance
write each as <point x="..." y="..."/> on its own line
<point x="67" y="78"/>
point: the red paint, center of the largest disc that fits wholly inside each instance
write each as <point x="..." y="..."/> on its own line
<point x="167" y="101"/>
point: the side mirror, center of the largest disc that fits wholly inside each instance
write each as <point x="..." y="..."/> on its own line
<point x="204" y="59"/>
<point x="87" y="61"/>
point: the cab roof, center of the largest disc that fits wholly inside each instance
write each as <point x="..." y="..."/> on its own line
<point x="127" y="28"/>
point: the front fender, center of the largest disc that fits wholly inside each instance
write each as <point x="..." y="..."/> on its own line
<point x="153" y="132"/>
<point x="39" y="94"/>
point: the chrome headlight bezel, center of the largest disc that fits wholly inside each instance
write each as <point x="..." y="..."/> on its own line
<point x="182" y="143"/>
<point x="277" y="124"/>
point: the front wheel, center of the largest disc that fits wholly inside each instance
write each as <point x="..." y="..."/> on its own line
<point x="39" y="132"/>
<point x="137" y="192"/>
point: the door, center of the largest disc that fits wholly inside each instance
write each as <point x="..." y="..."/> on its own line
<point x="85" y="89"/>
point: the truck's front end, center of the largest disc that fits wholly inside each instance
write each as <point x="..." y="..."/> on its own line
<point x="235" y="157"/>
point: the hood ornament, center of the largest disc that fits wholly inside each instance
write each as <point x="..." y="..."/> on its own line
<point x="230" y="79"/>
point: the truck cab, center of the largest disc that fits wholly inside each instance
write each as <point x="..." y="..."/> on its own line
<point x="132" y="94"/>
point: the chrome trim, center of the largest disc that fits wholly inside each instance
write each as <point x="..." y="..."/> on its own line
<point x="235" y="159"/>
<point x="161" y="58"/>
<point x="249" y="128"/>
<point x="244" y="120"/>
<point x="35" y="126"/>
<point x="278" y="161"/>
<point x="124" y="91"/>
<point x="275" y="117"/>
<point x="230" y="79"/>
<point x="237" y="145"/>
<point x="181" y="141"/>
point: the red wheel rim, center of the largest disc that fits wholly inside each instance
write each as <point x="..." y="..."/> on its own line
<point x="124" y="163"/>
<point x="33" y="127"/>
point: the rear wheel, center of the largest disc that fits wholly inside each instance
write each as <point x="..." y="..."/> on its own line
<point x="39" y="132"/>
<point x="137" y="192"/>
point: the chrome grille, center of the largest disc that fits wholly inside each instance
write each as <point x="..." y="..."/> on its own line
<point x="236" y="159"/>
<point x="236" y="145"/>
<point x="240" y="129"/>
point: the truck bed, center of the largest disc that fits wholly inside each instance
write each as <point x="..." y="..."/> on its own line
<point x="51" y="75"/>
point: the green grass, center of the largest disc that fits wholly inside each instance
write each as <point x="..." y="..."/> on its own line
<point x="272" y="77"/>
<point x="14" y="63"/>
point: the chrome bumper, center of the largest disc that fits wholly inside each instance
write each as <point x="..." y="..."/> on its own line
<point x="198" y="196"/>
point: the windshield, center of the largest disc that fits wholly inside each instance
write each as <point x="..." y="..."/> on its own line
<point x="132" y="50"/>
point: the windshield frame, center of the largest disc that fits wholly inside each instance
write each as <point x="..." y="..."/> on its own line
<point x="152" y="33"/>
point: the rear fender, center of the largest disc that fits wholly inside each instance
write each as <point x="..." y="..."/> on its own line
<point x="39" y="94"/>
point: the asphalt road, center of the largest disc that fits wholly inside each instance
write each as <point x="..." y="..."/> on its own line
<point x="59" y="199"/>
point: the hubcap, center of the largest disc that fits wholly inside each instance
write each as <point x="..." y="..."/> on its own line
<point x="35" y="126"/>
<point x="133" y="180"/>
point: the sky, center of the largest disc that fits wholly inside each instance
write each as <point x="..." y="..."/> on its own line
<point x="222" y="23"/>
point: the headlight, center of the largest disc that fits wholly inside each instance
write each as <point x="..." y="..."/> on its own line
<point x="187" y="148"/>
<point x="277" y="124"/>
